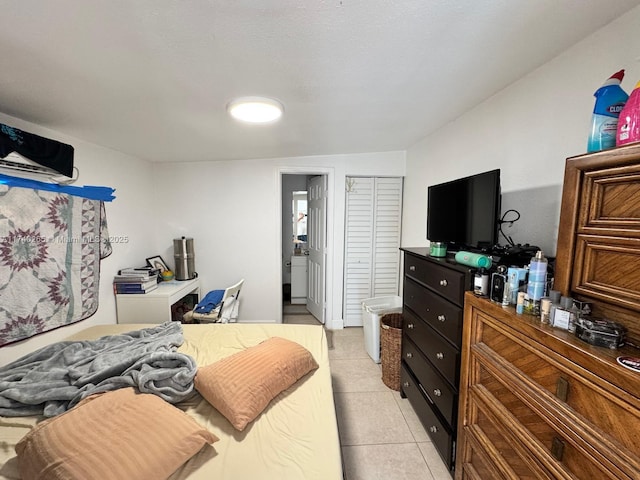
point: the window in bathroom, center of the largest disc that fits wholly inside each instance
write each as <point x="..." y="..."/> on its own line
<point x="300" y="219"/>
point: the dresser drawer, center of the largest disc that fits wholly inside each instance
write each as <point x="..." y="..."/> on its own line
<point x="566" y="450"/>
<point x="440" y="435"/>
<point x="603" y="409"/>
<point x="504" y="455"/>
<point x="441" y="354"/>
<point x="442" y="395"/>
<point x="478" y="466"/>
<point x="442" y="315"/>
<point x="439" y="277"/>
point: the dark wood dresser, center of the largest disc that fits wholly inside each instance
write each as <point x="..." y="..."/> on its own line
<point x="535" y="401"/>
<point x="433" y="303"/>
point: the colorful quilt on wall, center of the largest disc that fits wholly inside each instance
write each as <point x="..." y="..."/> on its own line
<point x="51" y="244"/>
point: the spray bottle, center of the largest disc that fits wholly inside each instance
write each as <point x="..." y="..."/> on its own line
<point x="629" y="121"/>
<point x="610" y="99"/>
<point x="537" y="282"/>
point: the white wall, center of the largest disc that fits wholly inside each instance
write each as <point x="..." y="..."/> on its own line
<point x="527" y="130"/>
<point x="131" y="214"/>
<point x="233" y="211"/>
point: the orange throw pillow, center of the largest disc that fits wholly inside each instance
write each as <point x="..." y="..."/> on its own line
<point x="242" y="385"/>
<point x="116" y="435"/>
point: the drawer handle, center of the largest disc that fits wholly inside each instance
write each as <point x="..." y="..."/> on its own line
<point x="409" y="355"/>
<point x="562" y="389"/>
<point x="442" y="318"/>
<point x="439" y="355"/>
<point x="557" y="448"/>
<point x="410" y="326"/>
<point x="433" y="429"/>
<point x="406" y="384"/>
<point x="443" y="283"/>
<point x="437" y="392"/>
<point x="412" y="268"/>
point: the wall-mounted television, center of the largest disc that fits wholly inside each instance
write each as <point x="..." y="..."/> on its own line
<point x="464" y="213"/>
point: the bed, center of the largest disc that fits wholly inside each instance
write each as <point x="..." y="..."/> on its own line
<point x="295" y="437"/>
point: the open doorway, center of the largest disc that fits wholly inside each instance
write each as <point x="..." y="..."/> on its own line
<point x="304" y="252"/>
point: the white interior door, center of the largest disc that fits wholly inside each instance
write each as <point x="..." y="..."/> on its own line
<point x="317" y="244"/>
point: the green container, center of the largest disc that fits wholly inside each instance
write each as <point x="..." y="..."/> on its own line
<point x="438" y="249"/>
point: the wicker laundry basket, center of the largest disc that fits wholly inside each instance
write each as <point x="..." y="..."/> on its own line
<point x="391" y="349"/>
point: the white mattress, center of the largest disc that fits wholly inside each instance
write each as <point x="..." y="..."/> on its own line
<point x="295" y="438"/>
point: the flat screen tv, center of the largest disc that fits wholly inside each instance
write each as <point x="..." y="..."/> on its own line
<point x="464" y="213"/>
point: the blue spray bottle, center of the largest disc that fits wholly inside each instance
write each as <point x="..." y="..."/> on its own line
<point x="610" y="99"/>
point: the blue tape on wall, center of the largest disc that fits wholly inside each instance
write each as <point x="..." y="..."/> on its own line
<point x="104" y="194"/>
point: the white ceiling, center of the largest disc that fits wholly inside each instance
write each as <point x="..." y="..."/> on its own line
<point x="152" y="77"/>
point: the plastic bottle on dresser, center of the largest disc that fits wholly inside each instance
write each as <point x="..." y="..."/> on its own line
<point x="565" y="315"/>
<point x="629" y="120"/>
<point x="537" y="280"/>
<point x="610" y="100"/>
<point x="481" y="282"/>
<point x="516" y="277"/>
<point x="554" y="296"/>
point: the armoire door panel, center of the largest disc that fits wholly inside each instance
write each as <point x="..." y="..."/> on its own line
<point x="607" y="269"/>
<point x="612" y="200"/>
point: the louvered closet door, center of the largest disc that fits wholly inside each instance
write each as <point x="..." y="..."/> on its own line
<point x="358" y="247"/>
<point x="386" y="236"/>
<point x="372" y="242"/>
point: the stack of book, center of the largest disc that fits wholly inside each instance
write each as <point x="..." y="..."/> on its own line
<point x="135" y="280"/>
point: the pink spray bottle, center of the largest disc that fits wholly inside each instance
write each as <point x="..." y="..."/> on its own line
<point x="628" y="130"/>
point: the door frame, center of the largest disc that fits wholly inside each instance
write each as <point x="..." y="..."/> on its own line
<point x="330" y="323"/>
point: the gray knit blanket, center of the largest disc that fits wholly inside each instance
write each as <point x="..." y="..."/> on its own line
<point x="53" y="379"/>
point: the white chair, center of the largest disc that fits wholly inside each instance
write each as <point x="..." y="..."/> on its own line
<point x="225" y="312"/>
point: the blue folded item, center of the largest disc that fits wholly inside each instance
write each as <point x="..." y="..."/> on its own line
<point x="210" y="301"/>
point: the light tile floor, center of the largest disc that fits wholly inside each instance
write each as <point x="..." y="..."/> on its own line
<point x="380" y="434"/>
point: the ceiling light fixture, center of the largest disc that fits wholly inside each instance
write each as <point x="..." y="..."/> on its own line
<point x="255" y="109"/>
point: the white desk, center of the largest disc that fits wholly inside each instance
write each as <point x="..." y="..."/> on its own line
<point x="155" y="306"/>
